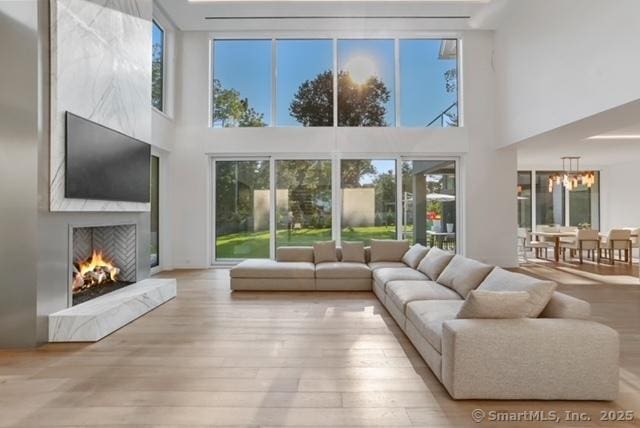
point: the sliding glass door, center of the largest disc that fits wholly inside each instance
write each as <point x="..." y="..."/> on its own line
<point x="261" y="204"/>
<point x="303" y="202"/>
<point x="242" y="209"/>
<point x="368" y="198"/>
<point x="429" y="207"/>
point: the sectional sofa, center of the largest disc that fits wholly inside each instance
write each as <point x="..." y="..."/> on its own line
<point x="486" y="333"/>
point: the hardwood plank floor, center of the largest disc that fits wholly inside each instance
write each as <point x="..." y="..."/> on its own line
<point x="215" y="358"/>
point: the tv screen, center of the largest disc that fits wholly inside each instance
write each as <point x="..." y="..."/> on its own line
<point x="105" y="164"/>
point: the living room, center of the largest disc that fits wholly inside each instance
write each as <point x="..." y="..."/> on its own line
<point x="211" y="213"/>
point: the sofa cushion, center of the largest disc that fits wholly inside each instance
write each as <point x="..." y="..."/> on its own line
<point x="379" y="265"/>
<point x="388" y="250"/>
<point x="564" y="306"/>
<point x="402" y="293"/>
<point x="463" y="274"/>
<point x="325" y="251"/>
<point x="384" y="275"/>
<point x="260" y="268"/>
<point x="427" y="317"/>
<point x="540" y="291"/>
<point x="294" y="254"/>
<point x="434" y="262"/>
<point x="495" y="305"/>
<point x="353" y="252"/>
<point x="345" y="270"/>
<point x="413" y="256"/>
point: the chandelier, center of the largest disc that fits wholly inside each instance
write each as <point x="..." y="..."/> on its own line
<point x="571" y="178"/>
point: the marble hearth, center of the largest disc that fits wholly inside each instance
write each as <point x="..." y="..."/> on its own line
<point x="97" y="318"/>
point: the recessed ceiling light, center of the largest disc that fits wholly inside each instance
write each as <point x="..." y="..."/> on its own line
<point x="615" y="137"/>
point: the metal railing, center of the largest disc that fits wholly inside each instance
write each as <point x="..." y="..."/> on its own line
<point x="446" y="119"/>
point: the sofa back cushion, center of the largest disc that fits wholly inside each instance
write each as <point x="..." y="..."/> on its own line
<point x="325" y="251"/>
<point x="564" y="306"/>
<point x="463" y="275"/>
<point x="388" y="250"/>
<point x="434" y="263"/>
<point x="495" y="305"/>
<point x="353" y="252"/>
<point x="539" y="291"/>
<point x="294" y="254"/>
<point x="414" y="255"/>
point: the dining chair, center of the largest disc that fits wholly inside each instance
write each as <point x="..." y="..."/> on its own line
<point x="617" y="239"/>
<point x="530" y="244"/>
<point x="585" y="240"/>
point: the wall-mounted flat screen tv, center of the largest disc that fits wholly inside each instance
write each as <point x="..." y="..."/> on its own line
<point x="105" y="164"/>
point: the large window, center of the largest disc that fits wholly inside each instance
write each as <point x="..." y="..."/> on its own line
<point x="366" y="83"/>
<point x="555" y="205"/>
<point x="550" y="203"/>
<point x="304" y="87"/>
<point x="429" y="202"/>
<point x="584" y="205"/>
<point x="241" y="83"/>
<point x="303" y="202"/>
<point x="242" y="209"/>
<point x="287" y="82"/>
<point x="524" y="199"/>
<point x="429" y="83"/>
<point x="157" y="67"/>
<point x="368" y="190"/>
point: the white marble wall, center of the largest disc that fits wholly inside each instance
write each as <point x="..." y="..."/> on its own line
<point x="100" y="70"/>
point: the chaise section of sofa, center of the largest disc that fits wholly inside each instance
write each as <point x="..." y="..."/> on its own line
<point x="293" y="269"/>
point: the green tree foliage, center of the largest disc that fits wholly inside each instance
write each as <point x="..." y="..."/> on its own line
<point x="156" y="76"/>
<point x="231" y="110"/>
<point x="358" y="104"/>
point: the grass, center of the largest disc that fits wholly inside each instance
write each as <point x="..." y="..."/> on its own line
<point x="247" y="245"/>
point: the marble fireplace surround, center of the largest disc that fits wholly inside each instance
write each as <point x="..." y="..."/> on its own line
<point x="100" y="70"/>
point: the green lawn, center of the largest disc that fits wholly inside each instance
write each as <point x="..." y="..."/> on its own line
<point x="256" y="245"/>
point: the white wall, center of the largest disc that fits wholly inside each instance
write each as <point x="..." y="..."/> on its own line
<point x="558" y="61"/>
<point x="487" y="182"/>
<point x="619" y="196"/>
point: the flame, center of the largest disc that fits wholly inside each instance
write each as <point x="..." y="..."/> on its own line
<point x="98" y="263"/>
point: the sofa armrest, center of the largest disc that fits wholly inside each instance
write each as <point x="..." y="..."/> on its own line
<point x="530" y="358"/>
<point x="564" y="306"/>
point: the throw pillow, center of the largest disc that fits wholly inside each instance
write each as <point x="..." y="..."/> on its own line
<point x="325" y="251"/>
<point x="353" y="252"/>
<point x="434" y="263"/>
<point x="463" y="275"/>
<point x="388" y="250"/>
<point x="540" y="291"/>
<point x="413" y="256"/>
<point x="495" y="304"/>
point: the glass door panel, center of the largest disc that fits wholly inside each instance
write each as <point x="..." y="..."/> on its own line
<point x="242" y="209"/>
<point x="429" y="202"/>
<point x="303" y="202"/>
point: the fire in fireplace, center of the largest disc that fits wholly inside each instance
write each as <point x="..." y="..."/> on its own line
<point x="95" y="276"/>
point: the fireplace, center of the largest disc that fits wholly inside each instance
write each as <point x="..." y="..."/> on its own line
<point x="103" y="259"/>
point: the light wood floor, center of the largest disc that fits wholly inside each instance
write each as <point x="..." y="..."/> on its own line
<point x="215" y="358"/>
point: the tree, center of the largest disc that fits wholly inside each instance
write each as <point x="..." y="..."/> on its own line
<point x="156" y="76"/>
<point x="352" y="171"/>
<point x="358" y="104"/>
<point x="231" y="110"/>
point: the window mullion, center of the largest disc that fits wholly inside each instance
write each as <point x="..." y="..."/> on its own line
<point x="335" y="82"/>
<point x="274" y="82"/>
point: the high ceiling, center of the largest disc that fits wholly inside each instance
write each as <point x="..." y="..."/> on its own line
<point x="212" y="15"/>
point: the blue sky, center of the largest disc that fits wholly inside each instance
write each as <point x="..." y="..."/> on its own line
<point x="158" y="39"/>
<point x="245" y="65"/>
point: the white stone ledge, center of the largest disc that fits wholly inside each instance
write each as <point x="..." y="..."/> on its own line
<point x="99" y="317"/>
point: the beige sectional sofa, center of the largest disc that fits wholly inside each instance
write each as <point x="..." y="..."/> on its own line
<point x="552" y="352"/>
